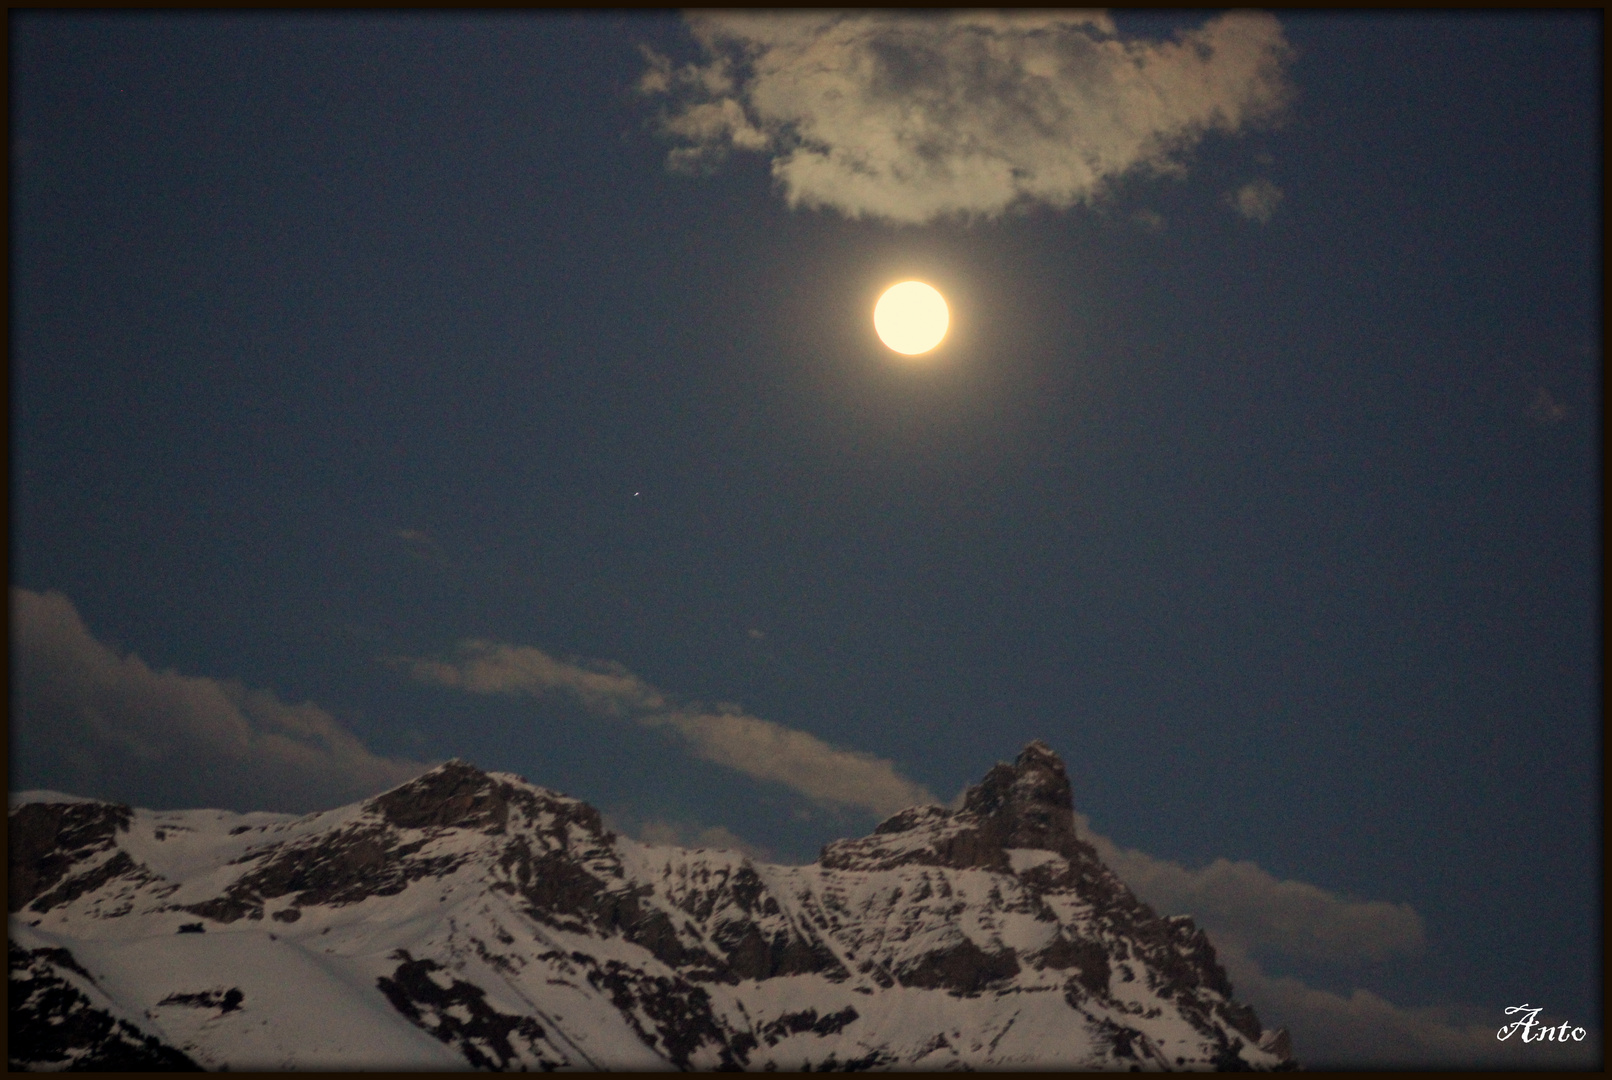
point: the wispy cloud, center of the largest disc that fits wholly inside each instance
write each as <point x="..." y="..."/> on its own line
<point x="1365" y="1030"/>
<point x="1249" y="912"/>
<point x="487" y="667"/>
<point x="1245" y="904"/>
<point x="89" y="720"/>
<point x="724" y="735"/>
<point x="909" y="118"/>
<point x="692" y="836"/>
<point x="1256" y="200"/>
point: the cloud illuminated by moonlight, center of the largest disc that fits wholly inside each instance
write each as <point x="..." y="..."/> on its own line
<point x="723" y="734"/>
<point x="910" y="118"/>
<point x="90" y="719"/>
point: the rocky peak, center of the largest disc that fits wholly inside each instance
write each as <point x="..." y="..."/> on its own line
<point x="1027" y="804"/>
<point x="369" y="857"/>
<point x="458" y="795"/>
<point x="1023" y="805"/>
<point x="454" y="794"/>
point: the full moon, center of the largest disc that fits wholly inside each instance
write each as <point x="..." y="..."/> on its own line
<point x="911" y="318"/>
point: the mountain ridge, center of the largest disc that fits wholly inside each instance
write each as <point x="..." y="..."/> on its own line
<point x="504" y="923"/>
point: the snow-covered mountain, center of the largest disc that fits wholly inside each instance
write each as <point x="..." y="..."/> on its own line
<point x="471" y="919"/>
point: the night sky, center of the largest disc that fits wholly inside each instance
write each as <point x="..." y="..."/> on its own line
<point x="392" y="389"/>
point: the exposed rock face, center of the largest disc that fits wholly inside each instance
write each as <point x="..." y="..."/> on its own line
<point x="1024" y="805"/>
<point x="484" y="1036"/>
<point x="508" y="926"/>
<point x="54" y="1022"/>
<point x="1028" y="807"/>
<point x="46" y="840"/>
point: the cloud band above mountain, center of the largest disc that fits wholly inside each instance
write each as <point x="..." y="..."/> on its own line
<point x="1248" y="906"/>
<point x="1250" y="915"/>
<point x="88" y="720"/>
<point x="910" y="118"/>
<point x="724" y="735"/>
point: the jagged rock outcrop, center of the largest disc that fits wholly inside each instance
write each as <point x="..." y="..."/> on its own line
<point x="1026" y="805"/>
<point x="58" y="1019"/>
<point x="46" y="841"/>
<point x="489" y="922"/>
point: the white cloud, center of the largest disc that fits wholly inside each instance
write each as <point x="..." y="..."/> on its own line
<point x="1365" y="1030"/>
<point x="692" y="836"/>
<point x="1240" y="903"/>
<point x="914" y="117"/>
<point x="1249" y="912"/>
<point x="772" y="752"/>
<point x="1256" y="200"/>
<point x="486" y="667"/>
<point x="724" y="736"/>
<point x="89" y="720"/>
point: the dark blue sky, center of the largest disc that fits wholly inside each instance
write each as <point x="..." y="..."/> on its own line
<point x="344" y="338"/>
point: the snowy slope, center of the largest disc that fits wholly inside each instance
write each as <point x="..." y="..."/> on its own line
<point x="473" y="920"/>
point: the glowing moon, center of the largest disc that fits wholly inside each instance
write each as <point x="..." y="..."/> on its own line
<point x="911" y="318"/>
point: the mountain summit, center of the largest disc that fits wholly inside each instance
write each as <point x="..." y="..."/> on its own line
<point x="1023" y="806"/>
<point x="471" y="918"/>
